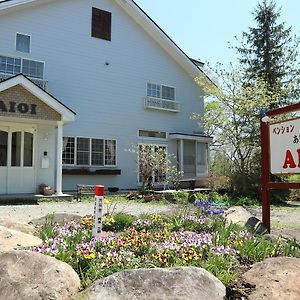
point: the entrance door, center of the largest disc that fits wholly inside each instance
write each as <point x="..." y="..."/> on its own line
<point x="18" y="170"/>
<point x="3" y="159"/>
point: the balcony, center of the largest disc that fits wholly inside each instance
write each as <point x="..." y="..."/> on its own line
<point x="161" y="104"/>
<point x="40" y="82"/>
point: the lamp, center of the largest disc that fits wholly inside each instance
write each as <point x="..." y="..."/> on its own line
<point x="264" y="117"/>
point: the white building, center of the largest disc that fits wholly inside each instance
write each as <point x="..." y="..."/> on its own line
<point x="81" y="82"/>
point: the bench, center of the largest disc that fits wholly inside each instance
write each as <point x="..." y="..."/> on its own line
<point x="84" y="189"/>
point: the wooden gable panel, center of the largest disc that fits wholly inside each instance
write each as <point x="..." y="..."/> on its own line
<point x="101" y="24"/>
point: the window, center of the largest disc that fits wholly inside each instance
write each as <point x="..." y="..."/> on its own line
<point x="153" y="134"/>
<point x="101" y="24"/>
<point x="160" y="91"/>
<point x="195" y="158"/>
<point x="3" y="148"/>
<point x="32" y="68"/>
<point x="153" y="90"/>
<point x="16" y="149"/>
<point x="28" y="149"/>
<point x="14" y="65"/>
<point x="168" y="92"/>
<point x="89" y="152"/>
<point x="23" y="43"/>
<point x="83" y="151"/>
<point x="68" y="156"/>
<point x="97" y="152"/>
<point x="110" y="152"/>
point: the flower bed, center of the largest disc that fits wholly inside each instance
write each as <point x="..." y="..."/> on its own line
<point x="199" y="238"/>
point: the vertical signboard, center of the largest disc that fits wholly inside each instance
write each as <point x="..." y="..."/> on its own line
<point x="285" y="147"/>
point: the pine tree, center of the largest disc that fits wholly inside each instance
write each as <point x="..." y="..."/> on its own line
<point x="269" y="52"/>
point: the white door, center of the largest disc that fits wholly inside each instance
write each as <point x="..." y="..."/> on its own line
<point x="3" y="159"/>
<point x="18" y="175"/>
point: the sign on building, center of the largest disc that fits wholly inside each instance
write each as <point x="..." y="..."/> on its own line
<point x="285" y="147"/>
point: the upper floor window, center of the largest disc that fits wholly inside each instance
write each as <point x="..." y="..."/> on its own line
<point x="160" y="91"/>
<point x="23" y="43"/>
<point x="16" y="65"/>
<point x="82" y="151"/>
<point x="101" y="24"/>
<point x="153" y="134"/>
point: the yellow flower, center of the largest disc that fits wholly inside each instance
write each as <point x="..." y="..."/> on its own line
<point x="106" y="201"/>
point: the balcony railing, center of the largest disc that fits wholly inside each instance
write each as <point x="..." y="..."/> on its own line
<point x="40" y="82"/>
<point x="161" y="104"/>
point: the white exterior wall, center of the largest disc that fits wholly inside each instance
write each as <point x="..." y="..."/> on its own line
<point x="108" y="100"/>
<point x="45" y="136"/>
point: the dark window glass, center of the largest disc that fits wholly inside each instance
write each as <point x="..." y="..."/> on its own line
<point x="28" y="149"/>
<point x="97" y="152"/>
<point x="68" y="155"/>
<point x="83" y="151"/>
<point x="16" y="149"/>
<point x="3" y="148"/>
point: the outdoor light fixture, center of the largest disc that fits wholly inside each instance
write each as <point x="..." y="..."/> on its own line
<point x="264" y="117"/>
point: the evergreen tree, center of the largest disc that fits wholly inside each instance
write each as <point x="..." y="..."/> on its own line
<point x="269" y="53"/>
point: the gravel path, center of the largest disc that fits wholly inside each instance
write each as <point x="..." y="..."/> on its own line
<point x="25" y="213"/>
<point x="284" y="220"/>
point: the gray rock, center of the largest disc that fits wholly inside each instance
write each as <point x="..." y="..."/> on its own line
<point x="157" y="284"/>
<point x="11" y="239"/>
<point x="275" y="278"/>
<point x="241" y="216"/>
<point x="32" y="276"/>
<point x="13" y="224"/>
<point x="59" y="218"/>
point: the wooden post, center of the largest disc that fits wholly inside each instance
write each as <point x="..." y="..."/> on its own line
<point x="265" y="173"/>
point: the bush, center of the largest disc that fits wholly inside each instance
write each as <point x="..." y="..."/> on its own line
<point x="118" y="222"/>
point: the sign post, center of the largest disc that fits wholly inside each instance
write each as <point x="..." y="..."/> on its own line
<point x="280" y="154"/>
<point x="99" y="193"/>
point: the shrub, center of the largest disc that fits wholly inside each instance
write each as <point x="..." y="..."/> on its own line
<point x="117" y="222"/>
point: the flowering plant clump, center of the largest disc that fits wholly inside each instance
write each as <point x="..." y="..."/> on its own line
<point x="205" y="207"/>
<point x="200" y="240"/>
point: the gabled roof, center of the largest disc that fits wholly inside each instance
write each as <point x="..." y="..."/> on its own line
<point x="66" y="113"/>
<point x="136" y="13"/>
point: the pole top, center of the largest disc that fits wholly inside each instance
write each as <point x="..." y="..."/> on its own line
<point x="99" y="190"/>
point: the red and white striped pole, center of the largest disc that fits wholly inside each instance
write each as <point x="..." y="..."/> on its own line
<point x="99" y="193"/>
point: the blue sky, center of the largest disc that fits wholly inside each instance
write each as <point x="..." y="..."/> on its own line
<point x="202" y="29"/>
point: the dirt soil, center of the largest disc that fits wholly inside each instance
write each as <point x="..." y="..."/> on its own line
<point x="285" y="220"/>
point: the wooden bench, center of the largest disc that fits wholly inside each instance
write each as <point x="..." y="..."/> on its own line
<point x="84" y="189"/>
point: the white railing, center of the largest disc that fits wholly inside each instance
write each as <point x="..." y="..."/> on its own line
<point x="161" y="104"/>
<point x="40" y="82"/>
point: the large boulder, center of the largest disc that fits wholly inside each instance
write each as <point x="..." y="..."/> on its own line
<point x="28" y="276"/>
<point x="59" y="218"/>
<point x="13" y="224"/>
<point x="275" y="278"/>
<point x="241" y="216"/>
<point x="11" y="239"/>
<point x="169" y="284"/>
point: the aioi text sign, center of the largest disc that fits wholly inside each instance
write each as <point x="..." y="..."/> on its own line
<point x="285" y="147"/>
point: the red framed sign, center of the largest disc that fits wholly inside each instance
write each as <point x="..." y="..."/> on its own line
<point x="280" y="154"/>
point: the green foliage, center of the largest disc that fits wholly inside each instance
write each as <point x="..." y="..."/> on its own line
<point x="243" y="201"/>
<point x="269" y="52"/>
<point x="120" y="222"/>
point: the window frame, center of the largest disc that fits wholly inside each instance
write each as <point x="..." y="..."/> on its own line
<point x="161" y="85"/>
<point x="90" y="152"/>
<point x="30" y="42"/>
<point x="21" y="66"/>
